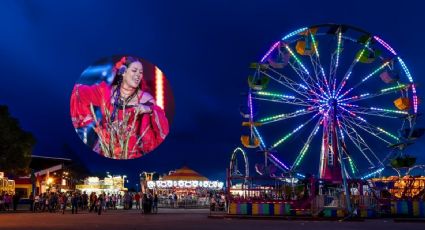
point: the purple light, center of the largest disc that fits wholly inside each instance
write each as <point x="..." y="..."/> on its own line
<point x="250" y="106"/>
<point x="278" y="161"/>
<point x="270" y="50"/>
<point x="388" y="47"/>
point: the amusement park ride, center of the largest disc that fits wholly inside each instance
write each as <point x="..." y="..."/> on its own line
<point x="363" y="104"/>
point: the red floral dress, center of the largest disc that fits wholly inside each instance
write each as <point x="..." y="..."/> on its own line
<point x="140" y="132"/>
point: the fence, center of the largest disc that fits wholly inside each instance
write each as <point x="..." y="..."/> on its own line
<point x="184" y="203"/>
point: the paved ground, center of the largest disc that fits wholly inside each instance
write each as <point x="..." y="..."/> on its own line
<point x="178" y="219"/>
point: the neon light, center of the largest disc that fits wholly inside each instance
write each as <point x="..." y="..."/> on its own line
<point x="338" y="49"/>
<point x="281" y="116"/>
<point x="373" y="173"/>
<point x="278" y="161"/>
<point x="217" y="185"/>
<point x="303" y="86"/>
<point x="351" y="165"/>
<point x="263" y="93"/>
<point x="376" y="71"/>
<point x="388" y="134"/>
<point x="401" y="86"/>
<point x="389" y="110"/>
<point x="364" y="48"/>
<point x="315" y="45"/>
<point x="270" y="51"/>
<point x="251" y="112"/>
<point x="159" y="87"/>
<point x="287" y="136"/>
<point x="296" y="59"/>
<point x="294" y="33"/>
<point x="388" y="47"/>
<point x="259" y="136"/>
<point x="305" y="149"/>
<point x="406" y="70"/>
<point x="300" y="175"/>
<point x="346" y="92"/>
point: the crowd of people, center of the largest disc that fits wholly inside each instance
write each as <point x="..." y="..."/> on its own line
<point x="82" y="202"/>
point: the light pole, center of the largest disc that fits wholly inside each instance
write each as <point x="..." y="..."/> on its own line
<point x="123" y="181"/>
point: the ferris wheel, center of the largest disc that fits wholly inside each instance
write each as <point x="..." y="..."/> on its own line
<point x="333" y="94"/>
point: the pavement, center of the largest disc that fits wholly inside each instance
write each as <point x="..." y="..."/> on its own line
<point x="179" y="219"/>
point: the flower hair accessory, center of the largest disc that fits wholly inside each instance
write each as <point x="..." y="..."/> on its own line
<point x="120" y="63"/>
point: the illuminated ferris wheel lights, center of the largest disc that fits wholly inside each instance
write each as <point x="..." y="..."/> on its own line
<point x="361" y="53"/>
<point x="401" y="86"/>
<point x="270" y="51"/>
<point x="372" y="173"/>
<point x="315" y="45"/>
<point x="388" y="134"/>
<point x="389" y="110"/>
<point x="351" y="165"/>
<point x="376" y="71"/>
<point x="338" y="50"/>
<point x="295" y="33"/>
<point x="334" y="98"/>
<point x="296" y="59"/>
<point x="263" y="93"/>
<point x="388" y="47"/>
<point x="260" y="137"/>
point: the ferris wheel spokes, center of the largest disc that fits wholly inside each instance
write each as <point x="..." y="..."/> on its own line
<point x="284" y="116"/>
<point x="364" y="79"/>
<point x="335" y="62"/>
<point x="350" y="69"/>
<point x="306" y="145"/>
<point x="359" y="142"/>
<point x="279" y="98"/>
<point x="317" y="66"/>
<point x="382" y="92"/>
<point x="374" y="131"/>
<point x="283" y="139"/>
<point x="288" y="82"/>
<point x="374" y="111"/>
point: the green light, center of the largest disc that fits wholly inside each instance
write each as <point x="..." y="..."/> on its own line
<point x="287" y="136"/>
<point x="296" y="58"/>
<point x="270" y="94"/>
<point x="314" y="44"/>
<point x="376" y="71"/>
<point x="401" y="86"/>
<point x="364" y="48"/>
<point x="300" y="158"/>
<point x="389" y="110"/>
<point x="388" y="134"/>
<point x="352" y="166"/>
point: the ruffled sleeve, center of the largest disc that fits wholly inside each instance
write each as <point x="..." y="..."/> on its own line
<point x="81" y="98"/>
<point x="154" y="128"/>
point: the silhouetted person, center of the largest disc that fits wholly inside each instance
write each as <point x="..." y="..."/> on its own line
<point x="16" y="199"/>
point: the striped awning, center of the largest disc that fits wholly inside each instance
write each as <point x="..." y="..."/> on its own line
<point x="185" y="173"/>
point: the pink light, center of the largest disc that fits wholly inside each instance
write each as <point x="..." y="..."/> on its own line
<point x="270" y="50"/>
<point x="388" y="47"/>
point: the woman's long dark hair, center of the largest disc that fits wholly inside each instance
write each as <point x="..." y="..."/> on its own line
<point x="123" y="63"/>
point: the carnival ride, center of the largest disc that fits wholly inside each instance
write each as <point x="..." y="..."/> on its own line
<point x="364" y="104"/>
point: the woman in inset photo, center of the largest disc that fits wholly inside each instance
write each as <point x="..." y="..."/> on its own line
<point x="121" y="119"/>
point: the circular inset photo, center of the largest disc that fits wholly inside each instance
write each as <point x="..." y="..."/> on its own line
<point x="122" y="106"/>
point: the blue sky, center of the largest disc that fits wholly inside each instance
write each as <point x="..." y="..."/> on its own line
<point x="203" y="47"/>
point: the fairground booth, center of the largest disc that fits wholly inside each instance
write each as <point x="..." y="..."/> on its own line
<point x="182" y="187"/>
<point x="109" y="185"/>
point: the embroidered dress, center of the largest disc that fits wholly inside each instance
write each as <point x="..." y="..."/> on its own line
<point x="124" y="132"/>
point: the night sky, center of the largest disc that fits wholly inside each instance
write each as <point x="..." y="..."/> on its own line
<point x="203" y="47"/>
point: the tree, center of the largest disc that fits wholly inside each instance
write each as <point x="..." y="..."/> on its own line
<point x="15" y="145"/>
